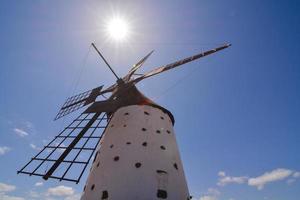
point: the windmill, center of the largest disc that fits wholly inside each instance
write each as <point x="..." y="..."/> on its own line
<point x="136" y="151"/>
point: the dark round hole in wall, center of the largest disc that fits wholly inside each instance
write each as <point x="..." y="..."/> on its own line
<point x="138" y="165"/>
<point x="168" y="131"/>
<point x="126" y="113"/>
<point x="157" y="131"/>
<point x="116" y="158"/>
<point x="144" y="144"/>
<point x="146" y="113"/>
<point x="93" y="186"/>
<point x="128" y="143"/>
<point x="124" y="125"/>
<point x="111" y="146"/>
<point x="175" y="166"/>
<point x="144" y="129"/>
<point x="98" y="164"/>
<point x="162" y="118"/>
<point x="163" y="147"/>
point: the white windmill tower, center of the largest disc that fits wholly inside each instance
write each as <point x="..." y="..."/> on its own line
<point x="136" y="151"/>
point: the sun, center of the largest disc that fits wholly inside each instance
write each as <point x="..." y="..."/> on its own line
<point x="117" y="29"/>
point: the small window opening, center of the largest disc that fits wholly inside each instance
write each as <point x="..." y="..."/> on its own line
<point x="111" y="146"/>
<point x="163" y="147"/>
<point x="146" y="113"/>
<point x="161" y="172"/>
<point x="157" y="131"/>
<point x="128" y="143"/>
<point x="124" y="125"/>
<point x="93" y="186"/>
<point x="162" y="118"/>
<point x="138" y="165"/>
<point x="116" y="158"/>
<point x="162" y="194"/>
<point x="104" y="194"/>
<point x="98" y="164"/>
<point x="144" y="129"/>
<point x="168" y="131"/>
<point x="126" y="113"/>
<point x="144" y="144"/>
<point x="175" y="166"/>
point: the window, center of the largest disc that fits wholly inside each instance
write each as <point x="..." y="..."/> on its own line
<point x="126" y="113"/>
<point x="157" y="131"/>
<point x="144" y="144"/>
<point x="128" y="143"/>
<point x="111" y="146"/>
<point x="124" y="125"/>
<point x="175" y="166"/>
<point x="144" y="129"/>
<point x="163" y="147"/>
<point x="146" y="113"/>
<point x="93" y="186"/>
<point x="162" y="194"/>
<point x="168" y="131"/>
<point x="162" y="118"/>
<point x="116" y="158"/>
<point x="104" y="194"/>
<point x="138" y="165"/>
<point x="98" y="164"/>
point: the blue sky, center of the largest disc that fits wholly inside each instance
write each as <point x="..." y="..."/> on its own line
<point x="237" y="112"/>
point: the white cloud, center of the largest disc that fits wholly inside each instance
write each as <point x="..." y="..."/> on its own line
<point x="20" y="132"/>
<point x="208" y="197"/>
<point x="275" y="175"/>
<point x="33" y="146"/>
<point x="224" y="180"/>
<point x="73" y="197"/>
<point x="212" y="194"/>
<point x="39" y="184"/>
<point x="8" y="197"/>
<point x="6" y="188"/>
<point x="60" y="191"/>
<point x="296" y="175"/>
<point x="4" y="150"/>
<point x="34" y="194"/>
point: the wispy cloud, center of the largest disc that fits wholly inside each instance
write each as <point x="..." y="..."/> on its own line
<point x="260" y="181"/>
<point x="6" y="188"/>
<point x="60" y="191"/>
<point x="224" y="179"/>
<point x="268" y="177"/>
<point x="4" y="150"/>
<point x="9" y="197"/>
<point x="33" y="146"/>
<point x="20" y="132"/>
<point x="212" y="194"/>
<point x="39" y="184"/>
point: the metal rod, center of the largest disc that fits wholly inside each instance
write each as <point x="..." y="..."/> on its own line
<point x="70" y="147"/>
<point x="105" y="61"/>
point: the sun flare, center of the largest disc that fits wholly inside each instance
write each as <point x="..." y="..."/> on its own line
<point x="117" y="29"/>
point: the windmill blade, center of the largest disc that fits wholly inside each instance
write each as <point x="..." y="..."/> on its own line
<point x="137" y="66"/>
<point x="78" y="101"/>
<point x="71" y="151"/>
<point x="179" y="62"/>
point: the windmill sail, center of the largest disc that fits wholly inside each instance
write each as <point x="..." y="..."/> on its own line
<point x="179" y="62"/>
<point x="78" y="101"/>
<point x="137" y="66"/>
<point x="70" y="151"/>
